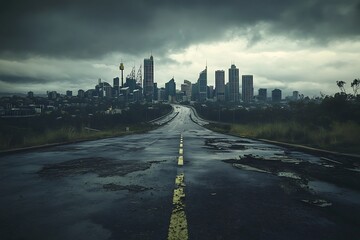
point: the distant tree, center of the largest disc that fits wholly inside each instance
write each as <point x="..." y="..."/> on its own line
<point x="355" y="85"/>
<point x="341" y="84"/>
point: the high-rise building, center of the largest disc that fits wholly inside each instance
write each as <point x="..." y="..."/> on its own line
<point x="247" y="88"/>
<point x="210" y="92"/>
<point x="186" y="89"/>
<point x="156" y="92"/>
<point x="149" y="78"/>
<point x="116" y="86"/>
<point x="69" y="93"/>
<point x="234" y="84"/>
<point x="220" y="85"/>
<point x="81" y="93"/>
<point x="195" y="92"/>
<point x="170" y="90"/>
<point x="262" y="96"/>
<point x="30" y="94"/>
<point x="295" y="96"/>
<point x="202" y="83"/>
<point x="276" y="95"/>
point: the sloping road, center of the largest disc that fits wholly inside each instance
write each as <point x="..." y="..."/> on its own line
<point x="180" y="181"/>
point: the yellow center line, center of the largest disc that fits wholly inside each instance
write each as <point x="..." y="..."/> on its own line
<point x="178" y="224"/>
<point x="181" y="145"/>
<point x="181" y="151"/>
<point x="181" y="161"/>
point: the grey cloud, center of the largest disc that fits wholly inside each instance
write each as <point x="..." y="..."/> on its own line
<point x="89" y="29"/>
<point x="21" y="79"/>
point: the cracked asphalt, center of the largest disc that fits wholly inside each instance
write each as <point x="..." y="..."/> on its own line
<point x="123" y="188"/>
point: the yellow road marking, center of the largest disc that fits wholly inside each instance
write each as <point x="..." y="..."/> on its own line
<point x="181" y="151"/>
<point x="181" y="145"/>
<point x="181" y="160"/>
<point x="178" y="223"/>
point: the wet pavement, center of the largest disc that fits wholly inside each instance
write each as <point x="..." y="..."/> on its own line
<point x="231" y="188"/>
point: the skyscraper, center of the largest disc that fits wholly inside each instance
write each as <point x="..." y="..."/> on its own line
<point x="233" y="84"/>
<point x="262" y="94"/>
<point x="276" y="95"/>
<point x="149" y="78"/>
<point x="116" y="86"/>
<point x="186" y="89"/>
<point x="220" y="85"/>
<point x="170" y="90"/>
<point x="202" y="83"/>
<point x="247" y="88"/>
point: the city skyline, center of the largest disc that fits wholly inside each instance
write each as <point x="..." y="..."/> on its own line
<point x="304" y="45"/>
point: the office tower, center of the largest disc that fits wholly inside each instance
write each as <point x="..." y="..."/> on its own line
<point x="276" y="95"/>
<point x="170" y="90"/>
<point x="81" y="93"/>
<point x="202" y="84"/>
<point x="262" y="96"/>
<point x="210" y="92"/>
<point x="161" y="96"/>
<point x="30" y="94"/>
<point x="69" y="93"/>
<point x="233" y="84"/>
<point x="195" y="92"/>
<point x="148" y="78"/>
<point x="156" y="90"/>
<point x="295" y="95"/>
<point x="186" y="89"/>
<point x="116" y="86"/>
<point x="247" y="88"/>
<point x="220" y="85"/>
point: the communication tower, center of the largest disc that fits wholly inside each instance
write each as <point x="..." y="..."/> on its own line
<point x="121" y="67"/>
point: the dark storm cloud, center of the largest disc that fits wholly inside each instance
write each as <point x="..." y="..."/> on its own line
<point x="21" y="79"/>
<point x="86" y="29"/>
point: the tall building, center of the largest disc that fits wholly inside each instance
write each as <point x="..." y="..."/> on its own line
<point x="247" y="88"/>
<point x="202" y="84"/>
<point x="68" y="93"/>
<point x="195" y="92"/>
<point x="234" y="84"/>
<point x="116" y="86"/>
<point x="81" y="93"/>
<point x="276" y="95"/>
<point x="170" y="90"/>
<point x="210" y="92"/>
<point x="295" y="95"/>
<point x="220" y="85"/>
<point x="156" y="92"/>
<point x="186" y="89"/>
<point x="149" y="78"/>
<point x="262" y="96"/>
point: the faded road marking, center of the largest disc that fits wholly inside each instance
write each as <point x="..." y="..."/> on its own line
<point x="178" y="224"/>
<point x="181" y="151"/>
<point x="181" y="160"/>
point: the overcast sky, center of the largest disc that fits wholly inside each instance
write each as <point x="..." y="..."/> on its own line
<point x="304" y="45"/>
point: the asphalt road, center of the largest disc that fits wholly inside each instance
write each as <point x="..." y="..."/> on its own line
<point x="180" y="181"/>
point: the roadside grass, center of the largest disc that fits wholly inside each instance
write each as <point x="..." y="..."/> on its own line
<point x="64" y="135"/>
<point x="342" y="137"/>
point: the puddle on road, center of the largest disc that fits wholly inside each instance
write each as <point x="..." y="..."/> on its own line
<point x="130" y="188"/>
<point x="289" y="175"/>
<point x="249" y="168"/>
<point x="318" y="202"/>
<point x="103" y="167"/>
<point x="226" y="144"/>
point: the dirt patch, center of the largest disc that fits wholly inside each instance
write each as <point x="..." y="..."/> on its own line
<point x="103" y="167"/>
<point x="225" y="144"/>
<point x="299" y="171"/>
<point x="130" y="188"/>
